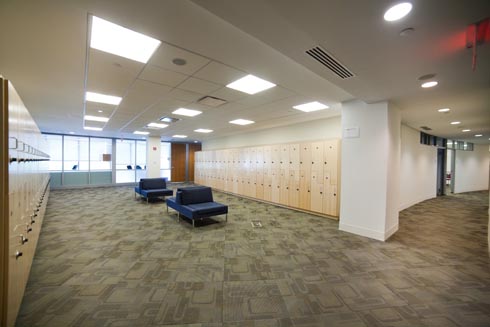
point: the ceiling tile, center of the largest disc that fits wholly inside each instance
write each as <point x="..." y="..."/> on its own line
<point x="162" y="76"/>
<point x="228" y="94"/>
<point x="93" y="108"/>
<point x="110" y="74"/>
<point x="183" y="95"/>
<point x="166" y="53"/>
<point x="198" y="85"/>
<point x="219" y="73"/>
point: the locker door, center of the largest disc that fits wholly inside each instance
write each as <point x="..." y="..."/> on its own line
<point x="259" y="159"/>
<point x="294" y="155"/>
<point x="317" y="160"/>
<point x="316" y="192"/>
<point x="331" y="156"/>
<point x="305" y="157"/>
<point x="276" y="184"/>
<point x="276" y="157"/>
<point x="294" y="184"/>
<point x="267" y="159"/>
<point x="267" y="187"/>
<point x="304" y="190"/>
<point x="331" y="201"/>
<point x="284" y="187"/>
<point x="284" y="156"/>
<point x="259" y="189"/>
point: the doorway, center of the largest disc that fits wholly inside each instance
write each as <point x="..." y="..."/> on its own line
<point x="450" y="170"/>
<point x="441" y="172"/>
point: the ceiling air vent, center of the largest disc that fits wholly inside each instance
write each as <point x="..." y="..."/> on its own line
<point x="426" y="128"/>
<point x="211" y="101"/>
<point x="330" y="62"/>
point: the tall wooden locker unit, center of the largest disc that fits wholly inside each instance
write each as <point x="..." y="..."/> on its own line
<point x="23" y="198"/>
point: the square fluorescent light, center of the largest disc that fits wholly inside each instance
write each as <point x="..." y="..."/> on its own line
<point x="241" y="122"/>
<point x="311" y="106"/>
<point x="250" y="84"/>
<point x="96" y="118"/>
<point x="186" y="112"/>
<point x="120" y="41"/>
<point x="102" y="98"/>
<point x="92" y="128"/>
<point x="177" y="136"/>
<point x="141" y="133"/>
<point x="203" y="130"/>
<point x="156" y="125"/>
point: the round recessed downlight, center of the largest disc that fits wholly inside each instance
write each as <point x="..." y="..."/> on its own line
<point x="455" y="122"/>
<point x="444" y="110"/>
<point x="179" y="61"/>
<point x="397" y="11"/>
<point x="429" y="84"/>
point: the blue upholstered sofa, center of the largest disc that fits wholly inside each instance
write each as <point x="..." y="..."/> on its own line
<point x="151" y="188"/>
<point x="196" y="203"/>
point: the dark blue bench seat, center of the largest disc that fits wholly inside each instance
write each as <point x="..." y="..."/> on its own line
<point x="151" y="188"/>
<point x="196" y="203"/>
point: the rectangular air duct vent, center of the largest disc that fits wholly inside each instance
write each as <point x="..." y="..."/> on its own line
<point x="211" y="101"/>
<point x="330" y="62"/>
<point x="425" y="128"/>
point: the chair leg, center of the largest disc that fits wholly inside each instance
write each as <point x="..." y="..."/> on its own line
<point x="147" y="199"/>
<point x="193" y="224"/>
<point x="226" y="218"/>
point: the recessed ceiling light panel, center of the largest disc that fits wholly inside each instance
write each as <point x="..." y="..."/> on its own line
<point x="156" y="125"/>
<point x="455" y="122"/>
<point x="141" y="133"/>
<point x="478" y="135"/>
<point x="203" y="130"/>
<point x="311" y="106"/>
<point x="241" y="122"/>
<point x="102" y="98"/>
<point x="178" y="136"/>
<point x="120" y="41"/>
<point x="397" y="11"/>
<point x="92" y="128"/>
<point x="186" y="112"/>
<point x="427" y="85"/>
<point x="96" y="118"/>
<point x="444" y="110"/>
<point x="466" y="130"/>
<point x="250" y="84"/>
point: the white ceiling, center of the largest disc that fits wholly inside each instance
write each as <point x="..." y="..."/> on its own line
<point x="44" y="53"/>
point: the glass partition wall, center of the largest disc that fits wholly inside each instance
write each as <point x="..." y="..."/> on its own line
<point x="83" y="160"/>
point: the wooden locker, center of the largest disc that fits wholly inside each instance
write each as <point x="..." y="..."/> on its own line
<point x="330" y="203"/>
<point x="284" y="157"/>
<point x="267" y="186"/>
<point x="294" y="188"/>
<point x="275" y="157"/>
<point x="284" y="187"/>
<point x="276" y="185"/>
<point x="317" y="159"/>
<point x="305" y="157"/>
<point x="259" y="189"/>
<point x="294" y="155"/>
<point x="331" y="156"/>
<point x="316" y="195"/>
<point x="304" y="189"/>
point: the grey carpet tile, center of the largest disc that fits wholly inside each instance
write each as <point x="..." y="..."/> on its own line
<point x="105" y="258"/>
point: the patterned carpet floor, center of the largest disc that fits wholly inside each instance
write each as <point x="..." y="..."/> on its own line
<point x="105" y="258"/>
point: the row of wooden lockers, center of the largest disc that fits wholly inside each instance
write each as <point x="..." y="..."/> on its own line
<point x="270" y="176"/>
<point x="317" y="197"/>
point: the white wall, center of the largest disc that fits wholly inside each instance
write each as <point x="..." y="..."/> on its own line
<point x="153" y="157"/>
<point x="418" y="169"/>
<point x="321" y="129"/>
<point x="366" y="189"/>
<point x="471" y="169"/>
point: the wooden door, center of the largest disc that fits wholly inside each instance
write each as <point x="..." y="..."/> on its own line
<point x="178" y="162"/>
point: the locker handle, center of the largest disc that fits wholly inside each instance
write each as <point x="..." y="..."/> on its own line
<point x="301" y="162"/>
<point x="325" y="162"/>
<point x="335" y="194"/>
<point x="321" y="192"/>
<point x="297" y="189"/>
<point x="312" y="163"/>
<point x="18" y="254"/>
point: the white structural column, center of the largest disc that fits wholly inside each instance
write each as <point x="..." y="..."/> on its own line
<point x="153" y="156"/>
<point x="370" y="169"/>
